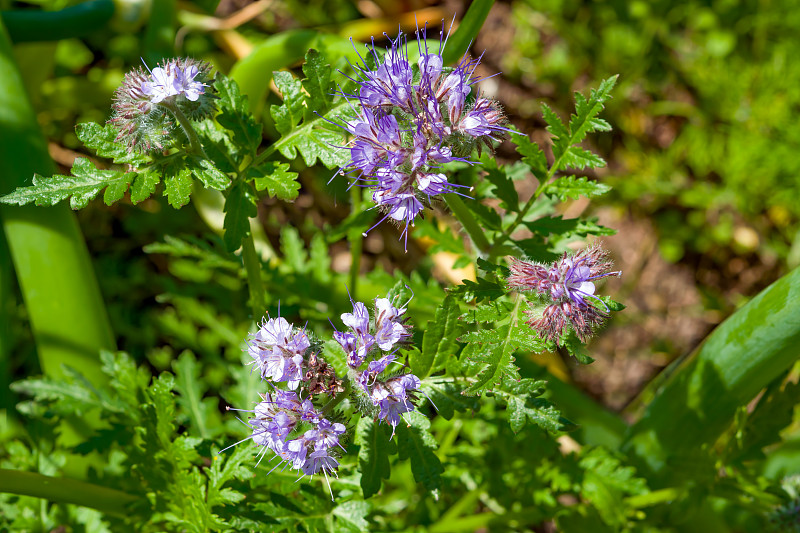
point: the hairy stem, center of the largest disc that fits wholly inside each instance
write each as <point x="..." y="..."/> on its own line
<point x="356" y="240"/>
<point x="464" y="215"/>
<point x="186" y="125"/>
<point x="64" y="490"/>
<point x="252" y="266"/>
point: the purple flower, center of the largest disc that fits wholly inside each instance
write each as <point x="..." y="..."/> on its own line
<point x="570" y="284"/>
<point x="279" y="353"/>
<point x="326" y="435"/>
<point x="406" y="128"/>
<point x="161" y="85"/>
<point x="142" y="123"/>
<point x="393" y="398"/>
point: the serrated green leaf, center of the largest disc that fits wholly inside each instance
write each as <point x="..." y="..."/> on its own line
<point x="191" y="389"/>
<point x="205" y="171"/>
<point x="313" y="144"/>
<point x="503" y="185"/>
<point x="439" y="340"/>
<point x="277" y="179"/>
<point x="177" y="185"/>
<point x="556" y="127"/>
<point x="523" y="406"/>
<point x="101" y="139"/>
<point x="317" y="83"/>
<point x="491" y="311"/>
<point x="586" y="110"/>
<point x="288" y="115"/>
<point x="566" y="228"/>
<point x="416" y="444"/>
<point x="532" y="155"/>
<point x="235" y="114"/>
<point x="577" y="157"/>
<point x="497" y="358"/>
<point x="144" y="185"/>
<point x="448" y="397"/>
<point x="84" y="184"/>
<point x="240" y="207"/>
<point x="354" y="513"/>
<point x="479" y="290"/>
<point x="224" y="468"/>
<point x="373" y="458"/>
<point x="572" y="187"/>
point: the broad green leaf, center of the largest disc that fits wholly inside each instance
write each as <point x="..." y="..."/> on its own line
<point x="288" y="115"/>
<point x="235" y="114"/>
<point x="416" y="444"/>
<point x="177" y="186"/>
<point x="144" y="184"/>
<point x="496" y="355"/>
<point x="697" y="404"/>
<point x="205" y="171"/>
<point x="439" y="340"/>
<point x="101" y="139"/>
<point x="317" y="84"/>
<point x="84" y="184"/>
<point x="354" y="513"/>
<point x="240" y="207"/>
<point x="277" y="179"/>
<point x="491" y="311"/>
<point x="373" y="457"/>
<point x="448" y="397"/>
<point x="572" y="187"/>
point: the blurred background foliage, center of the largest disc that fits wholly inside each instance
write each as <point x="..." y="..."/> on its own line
<point x="704" y="160"/>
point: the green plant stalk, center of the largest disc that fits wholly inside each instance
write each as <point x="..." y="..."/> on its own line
<point x="64" y="490"/>
<point x="496" y="246"/>
<point x="67" y="315"/>
<point x="75" y="21"/>
<point x="468" y="222"/>
<point x="699" y="400"/>
<point x="186" y="125"/>
<point x="458" y="43"/>
<point x="356" y="240"/>
<point x="255" y="285"/>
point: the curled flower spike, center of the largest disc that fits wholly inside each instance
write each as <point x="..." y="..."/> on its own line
<point x="570" y="284"/>
<point x="412" y="118"/>
<point x="145" y="104"/>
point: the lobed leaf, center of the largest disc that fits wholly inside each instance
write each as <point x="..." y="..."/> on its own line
<point x="439" y="340"/>
<point x="276" y="179"/>
<point x="102" y="140"/>
<point x="572" y="187"/>
<point x="416" y="444"/>
<point x="84" y="184"/>
<point x="373" y="457"/>
<point x="235" y="114"/>
<point x="240" y="207"/>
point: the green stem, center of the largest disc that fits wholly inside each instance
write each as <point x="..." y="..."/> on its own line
<point x="194" y="140"/>
<point x="252" y="266"/>
<point x="63" y="490"/>
<point x="328" y="407"/>
<point x="496" y="246"/>
<point x="356" y="240"/>
<point x="464" y="215"/>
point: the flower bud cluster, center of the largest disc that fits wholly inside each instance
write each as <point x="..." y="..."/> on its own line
<point x="370" y="351"/>
<point x="569" y="284"/>
<point x="411" y="119"/>
<point x="287" y="421"/>
<point x="146" y="102"/>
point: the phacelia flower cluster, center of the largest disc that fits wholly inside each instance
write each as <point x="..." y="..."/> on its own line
<point x="289" y="419"/>
<point x="371" y="348"/>
<point x="411" y="119"/>
<point x="569" y="284"/>
<point x="146" y="103"/>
